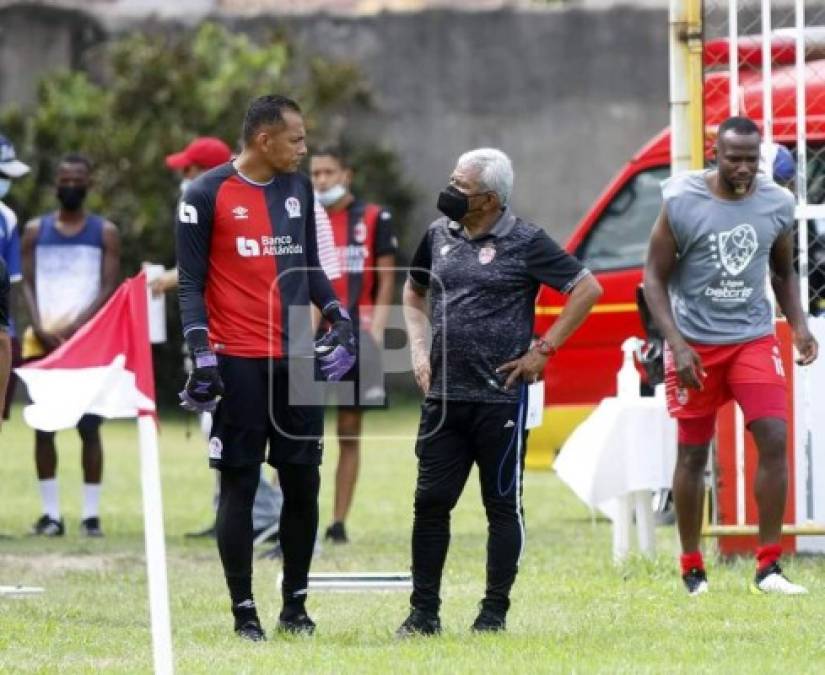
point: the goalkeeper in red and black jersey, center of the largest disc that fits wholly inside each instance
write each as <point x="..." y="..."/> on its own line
<point x="249" y="270"/>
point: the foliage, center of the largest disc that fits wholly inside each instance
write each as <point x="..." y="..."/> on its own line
<point x="146" y="95"/>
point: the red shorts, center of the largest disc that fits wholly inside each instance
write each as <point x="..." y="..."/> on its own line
<point x="751" y="373"/>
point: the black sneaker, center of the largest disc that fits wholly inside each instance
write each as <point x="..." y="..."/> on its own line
<point x="90" y="527"/>
<point x="420" y="623"/>
<point x="200" y="534"/>
<point x="337" y="533"/>
<point x="247" y="624"/>
<point x="489" y="621"/>
<point x="696" y="581"/>
<point x="46" y="526"/>
<point x="295" y="621"/>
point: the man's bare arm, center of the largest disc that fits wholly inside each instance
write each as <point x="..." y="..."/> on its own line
<point x="385" y="286"/>
<point x="785" y="283"/>
<point x="5" y="367"/>
<point x="659" y="266"/>
<point x="530" y="366"/>
<point x="414" y="300"/>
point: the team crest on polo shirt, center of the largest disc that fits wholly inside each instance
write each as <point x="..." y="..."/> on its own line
<point x="682" y="396"/>
<point x="486" y="255"/>
<point x="293" y="207"/>
<point x="215" y="448"/>
<point x="359" y="232"/>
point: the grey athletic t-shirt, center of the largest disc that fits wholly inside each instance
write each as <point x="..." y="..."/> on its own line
<point x="718" y="290"/>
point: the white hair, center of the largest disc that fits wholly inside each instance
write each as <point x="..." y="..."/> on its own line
<point x="495" y="171"/>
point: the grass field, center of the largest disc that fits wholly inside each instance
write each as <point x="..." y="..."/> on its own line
<point x="573" y="611"/>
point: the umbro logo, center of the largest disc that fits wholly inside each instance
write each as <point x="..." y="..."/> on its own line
<point x="240" y="213"/>
<point x="510" y="424"/>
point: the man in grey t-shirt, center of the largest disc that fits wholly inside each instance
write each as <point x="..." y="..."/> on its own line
<point x="718" y="235"/>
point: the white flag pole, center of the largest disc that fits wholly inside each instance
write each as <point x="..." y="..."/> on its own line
<point x="155" y="545"/>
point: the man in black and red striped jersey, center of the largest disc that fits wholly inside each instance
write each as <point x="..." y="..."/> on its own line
<point x="249" y="269"/>
<point x="366" y="248"/>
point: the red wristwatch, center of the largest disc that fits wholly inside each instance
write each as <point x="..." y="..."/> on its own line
<point x="544" y="348"/>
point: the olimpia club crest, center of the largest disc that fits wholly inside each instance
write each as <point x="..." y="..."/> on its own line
<point x="293" y="207"/>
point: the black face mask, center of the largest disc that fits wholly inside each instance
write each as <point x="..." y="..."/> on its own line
<point x="71" y="197"/>
<point x="453" y="203"/>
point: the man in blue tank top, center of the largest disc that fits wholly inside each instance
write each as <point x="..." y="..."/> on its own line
<point x="71" y="265"/>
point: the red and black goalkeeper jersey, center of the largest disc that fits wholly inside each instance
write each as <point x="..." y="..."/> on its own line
<point x="248" y="263"/>
<point x="362" y="232"/>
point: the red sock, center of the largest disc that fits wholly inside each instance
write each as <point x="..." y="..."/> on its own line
<point x="692" y="560"/>
<point x="767" y="555"/>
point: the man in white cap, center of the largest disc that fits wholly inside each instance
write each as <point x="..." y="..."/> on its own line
<point x="10" y="169"/>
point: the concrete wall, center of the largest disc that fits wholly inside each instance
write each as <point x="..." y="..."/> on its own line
<point x="34" y="40"/>
<point x="569" y="94"/>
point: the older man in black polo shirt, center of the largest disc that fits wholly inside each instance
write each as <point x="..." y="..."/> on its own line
<point x="482" y="266"/>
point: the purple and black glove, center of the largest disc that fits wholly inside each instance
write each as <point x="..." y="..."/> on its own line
<point x="204" y="386"/>
<point x="337" y="348"/>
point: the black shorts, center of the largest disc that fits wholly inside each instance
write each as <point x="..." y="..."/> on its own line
<point x="255" y="411"/>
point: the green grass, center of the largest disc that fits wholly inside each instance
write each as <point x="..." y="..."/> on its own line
<point x="573" y="611"/>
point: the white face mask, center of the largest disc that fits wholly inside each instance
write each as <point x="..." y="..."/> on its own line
<point x="184" y="185"/>
<point x="329" y="197"/>
<point x="5" y="186"/>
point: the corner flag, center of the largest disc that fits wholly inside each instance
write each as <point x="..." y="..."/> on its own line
<point x="105" y="368"/>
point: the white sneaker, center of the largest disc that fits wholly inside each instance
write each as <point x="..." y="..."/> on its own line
<point x="772" y="580"/>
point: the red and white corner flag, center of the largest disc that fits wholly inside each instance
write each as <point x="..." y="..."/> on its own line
<point x="104" y="369"/>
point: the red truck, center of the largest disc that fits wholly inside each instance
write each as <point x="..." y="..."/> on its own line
<point x="612" y="237"/>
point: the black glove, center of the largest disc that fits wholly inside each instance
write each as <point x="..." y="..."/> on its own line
<point x="203" y="387"/>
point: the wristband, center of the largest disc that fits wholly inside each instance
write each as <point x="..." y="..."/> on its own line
<point x="544" y="348"/>
<point x="334" y="312"/>
<point x="205" y="358"/>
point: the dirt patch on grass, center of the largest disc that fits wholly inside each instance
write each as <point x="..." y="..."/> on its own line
<point x="54" y="564"/>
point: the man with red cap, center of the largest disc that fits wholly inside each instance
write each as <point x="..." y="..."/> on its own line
<point x="202" y="154"/>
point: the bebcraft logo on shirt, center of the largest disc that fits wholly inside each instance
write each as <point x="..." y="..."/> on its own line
<point x="271" y="246"/>
<point x="731" y="252"/>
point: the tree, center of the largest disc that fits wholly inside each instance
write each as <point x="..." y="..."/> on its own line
<point x="146" y="95"/>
